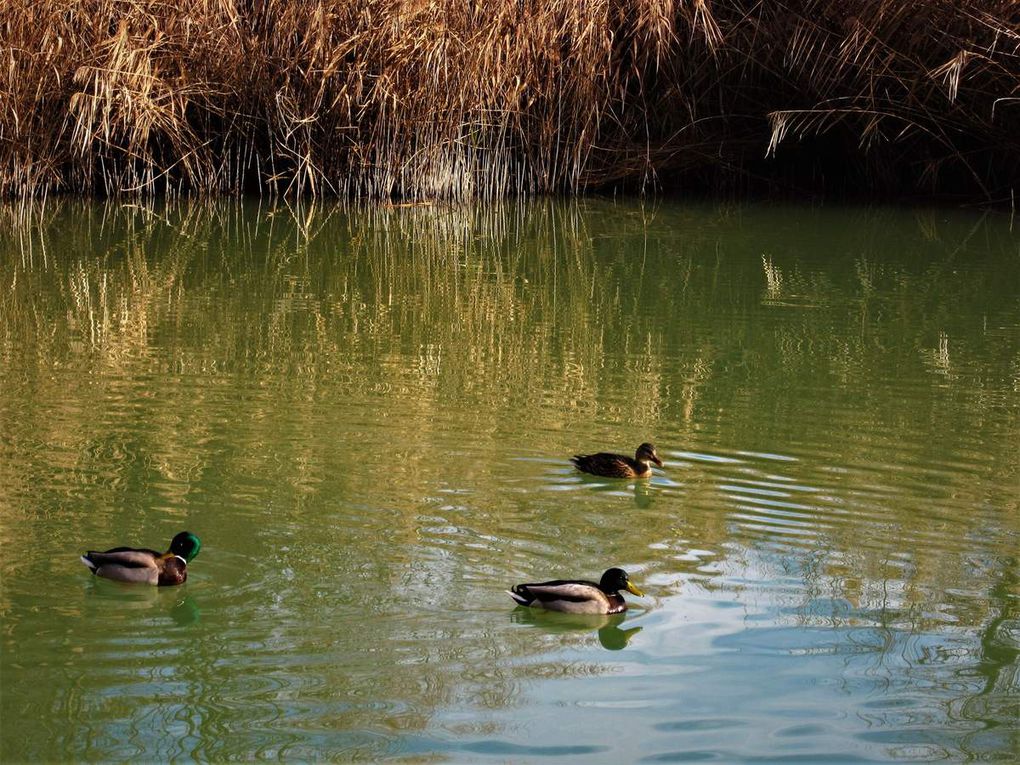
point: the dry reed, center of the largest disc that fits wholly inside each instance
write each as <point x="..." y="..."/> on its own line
<point x="458" y="99"/>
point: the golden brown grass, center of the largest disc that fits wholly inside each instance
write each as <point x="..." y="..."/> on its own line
<point x="460" y="99"/>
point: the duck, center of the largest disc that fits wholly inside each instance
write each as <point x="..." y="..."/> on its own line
<point x="578" y="596"/>
<point x="132" y="564"/>
<point x="619" y="465"/>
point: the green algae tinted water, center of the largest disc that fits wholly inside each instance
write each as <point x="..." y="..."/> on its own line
<point x="367" y="416"/>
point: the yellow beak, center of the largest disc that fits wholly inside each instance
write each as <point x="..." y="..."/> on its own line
<point x="632" y="589"/>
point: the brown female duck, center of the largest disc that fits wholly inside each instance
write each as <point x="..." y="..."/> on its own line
<point x="618" y="465"/>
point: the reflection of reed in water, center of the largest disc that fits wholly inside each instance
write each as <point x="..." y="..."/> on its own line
<point x="533" y="320"/>
<point x="191" y="356"/>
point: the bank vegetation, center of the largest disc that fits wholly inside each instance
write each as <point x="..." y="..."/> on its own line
<point x="457" y="99"/>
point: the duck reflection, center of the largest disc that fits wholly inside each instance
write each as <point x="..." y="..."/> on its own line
<point x="186" y="612"/>
<point x="610" y="634"/>
<point x="181" y="608"/>
<point x="644" y="491"/>
<point x="642" y="494"/>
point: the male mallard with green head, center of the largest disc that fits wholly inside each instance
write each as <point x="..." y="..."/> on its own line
<point x="131" y="564"/>
<point x="578" y="596"/>
<point x="619" y="465"/>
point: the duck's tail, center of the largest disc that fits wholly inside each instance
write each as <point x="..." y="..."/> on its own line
<point x="88" y="562"/>
<point x="519" y="599"/>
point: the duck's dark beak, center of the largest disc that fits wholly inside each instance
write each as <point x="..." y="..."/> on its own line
<point x="656" y="460"/>
<point x="634" y="590"/>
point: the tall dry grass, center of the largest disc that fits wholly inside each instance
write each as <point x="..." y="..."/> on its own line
<point x="459" y="98"/>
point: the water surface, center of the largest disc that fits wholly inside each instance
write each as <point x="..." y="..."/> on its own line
<point x="367" y="415"/>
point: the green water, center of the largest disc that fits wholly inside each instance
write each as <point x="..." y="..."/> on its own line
<point x="366" y="415"/>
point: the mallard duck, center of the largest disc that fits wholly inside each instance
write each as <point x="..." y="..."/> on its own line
<point x="618" y="465"/>
<point x="577" y="596"/>
<point x="130" y="564"/>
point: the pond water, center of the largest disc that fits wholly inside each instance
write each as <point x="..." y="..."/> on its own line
<point x="367" y="416"/>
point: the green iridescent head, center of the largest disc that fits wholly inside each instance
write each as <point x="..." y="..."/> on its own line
<point x="616" y="579"/>
<point x="186" y="545"/>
